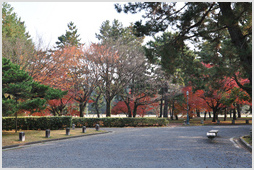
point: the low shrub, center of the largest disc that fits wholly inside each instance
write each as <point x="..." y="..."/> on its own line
<point x="55" y="123"/>
<point x="35" y="123"/>
<point x="119" y="122"/>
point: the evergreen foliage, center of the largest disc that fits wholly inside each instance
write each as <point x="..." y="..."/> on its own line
<point x="16" y="42"/>
<point x="21" y="92"/>
<point x="37" y="123"/>
<point x="222" y="24"/>
<point x="70" y="38"/>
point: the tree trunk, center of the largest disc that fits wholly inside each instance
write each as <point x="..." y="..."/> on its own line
<point x="171" y="114"/>
<point x="128" y="107"/>
<point x="135" y="109"/>
<point x="165" y="113"/>
<point x="173" y="108"/>
<point x="97" y="110"/>
<point x="176" y="117"/>
<point x="225" y="114"/>
<point x="16" y="122"/>
<point x="81" y="109"/>
<point x="129" y="110"/>
<point x="238" y="110"/>
<point x="214" y="115"/>
<point x="161" y="108"/>
<point x="108" y="102"/>
<point x="198" y="113"/>
<point x="234" y="114"/>
<point x="205" y="115"/>
<point x="209" y="114"/>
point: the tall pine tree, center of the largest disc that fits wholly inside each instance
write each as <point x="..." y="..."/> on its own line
<point x="17" y="44"/>
<point x="21" y="92"/>
<point x="70" y="38"/>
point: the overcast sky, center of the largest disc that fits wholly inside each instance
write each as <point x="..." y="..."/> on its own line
<point x="48" y="20"/>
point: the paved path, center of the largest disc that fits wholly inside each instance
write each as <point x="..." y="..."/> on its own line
<point x="162" y="147"/>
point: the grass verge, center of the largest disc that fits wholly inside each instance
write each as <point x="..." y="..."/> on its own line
<point x="12" y="138"/>
<point x="247" y="139"/>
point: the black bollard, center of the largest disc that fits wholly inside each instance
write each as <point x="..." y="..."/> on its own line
<point x="233" y="122"/>
<point x="67" y="131"/>
<point x="84" y="129"/>
<point x="22" y="136"/>
<point x="97" y="126"/>
<point x="247" y="121"/>
<point x="47" y="134"/>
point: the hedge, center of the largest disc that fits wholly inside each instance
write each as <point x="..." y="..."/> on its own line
<point x="119" y="122"/>
<point x="35" y="123"/>
<point x="55" y="123"/>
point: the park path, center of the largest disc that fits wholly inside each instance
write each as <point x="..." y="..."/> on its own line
<point x="153" y="147"/>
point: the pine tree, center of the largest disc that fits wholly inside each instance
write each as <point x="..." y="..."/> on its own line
<point x="215" y="22"/>
<point x="70" y="38"/>
<point x="21" y="92"/>
<point x="17" y="44"/>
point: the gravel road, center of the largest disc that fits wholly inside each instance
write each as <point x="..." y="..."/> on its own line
<point x="153" y="147"/>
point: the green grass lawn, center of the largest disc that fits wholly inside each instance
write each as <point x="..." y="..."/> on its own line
<point x="12" y="138"/>
<point x="247" y="139"/>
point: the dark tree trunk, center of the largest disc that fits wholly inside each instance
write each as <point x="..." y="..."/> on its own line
<point x="97" y="106"/>
<point x="209" y="113"/>
<point x="234" y="114"/>
<point x="214" y="115"/>
<point x="127" y="103"/>
<point x="161" y="108"/>
<point x="176" y="117"/>
<point x="135" y="109"/>
<point x="165" y="113"/>
<point x="205" y="115"/>
<point x="225" y="114"/>
<point x="129" y="110"/>
<point x="198" y="113"/>
<point x="81" y="109"/>
<point x="97" y="111"/>
<point x="16" y="122"/>
<point x="238" y="110"/>
<point x="171" y="115"/>
<point x="108" y="102"/>
<point x="173" y="108"/>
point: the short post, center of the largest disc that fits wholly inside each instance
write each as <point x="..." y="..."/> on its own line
<point x="218" y="121"/>
<point x="251" y="134"/>
<point x="247" y="121"/>
<point x="184" y="122"/>
<point x="73" y="126"/>
<point x="202" y="122"/>
<point x="22" y="136"/>
<point x="47" y="135"/>
<point x="67" y="131"/>
<point x="97" y="126"/>
<point x="84" y="129"/>
<point x="233" y="121"/>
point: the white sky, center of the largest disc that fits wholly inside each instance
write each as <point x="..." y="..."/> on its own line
<point x="48" y="20"/>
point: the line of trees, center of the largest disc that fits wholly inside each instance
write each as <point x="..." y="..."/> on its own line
<point x="136" y="78"/>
